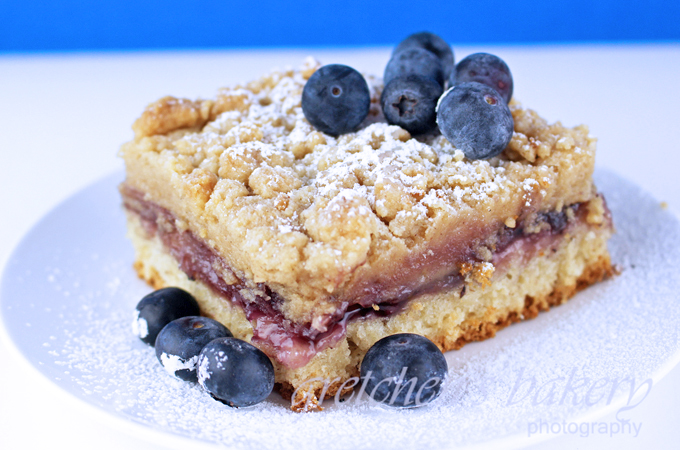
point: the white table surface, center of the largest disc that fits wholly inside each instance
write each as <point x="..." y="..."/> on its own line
<point x="63" y="117"/>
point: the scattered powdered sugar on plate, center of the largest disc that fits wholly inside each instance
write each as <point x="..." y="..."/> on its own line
<point x="173" y="363"/>
<point x="139" y="326"/>
<point x="69" y="291"/>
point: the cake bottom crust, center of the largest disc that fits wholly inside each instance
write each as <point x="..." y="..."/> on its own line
<point x="519" y="291"/>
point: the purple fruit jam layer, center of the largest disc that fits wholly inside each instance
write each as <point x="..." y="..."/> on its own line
<point x="294" y="344"/>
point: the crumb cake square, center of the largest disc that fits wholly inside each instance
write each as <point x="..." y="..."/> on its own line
<point x="314" y="247"/>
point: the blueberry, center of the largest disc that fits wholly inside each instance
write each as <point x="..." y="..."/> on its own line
<point x="159" y="308"/>
<point x="410" y="102"/>
<point x="179" y="343"/>
<point x="335" y="99"/>
<point x="235" y="372"/>
<point x="404" y="370"/>
<point x="486" y="69"/>
<point x="414" y="61"/>
<point x="475" y="119"/>
<point x="432" y="43"/>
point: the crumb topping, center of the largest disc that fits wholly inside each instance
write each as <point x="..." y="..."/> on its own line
<point x="305" y="211"/>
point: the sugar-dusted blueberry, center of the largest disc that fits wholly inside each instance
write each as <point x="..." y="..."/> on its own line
<point x="235" y="372"/>
<point x="404" y="371"/>
<point x="432" y="43"/>
<point x="180" y="342"/>
<point x="159" y="308"/>
<point x="335" y="99"/>
<point x="487" y="69"/>
<point x="475" y="119"/>
<point x="410" y="102"/>
<point x="414" y="61"/>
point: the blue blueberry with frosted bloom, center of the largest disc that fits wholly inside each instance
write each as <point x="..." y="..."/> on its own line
<point x="475" y="119"/>
<point x="159" y="308"/>
<point x="180" y="342"/>
<point x="235" y="372"/>
<point x="404" y="370"/>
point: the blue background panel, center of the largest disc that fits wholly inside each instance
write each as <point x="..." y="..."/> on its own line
<point x="31" y="25"/>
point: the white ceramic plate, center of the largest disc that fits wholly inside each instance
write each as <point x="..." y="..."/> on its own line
<point x="69" y="290"/>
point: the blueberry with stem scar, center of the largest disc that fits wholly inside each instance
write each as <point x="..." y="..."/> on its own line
<point x="180" y="342"/>
<point x="410" y="102"/>
<point x="336" y="99"/>
<point x="487" y="69"/>
<point x="475" y="119"/>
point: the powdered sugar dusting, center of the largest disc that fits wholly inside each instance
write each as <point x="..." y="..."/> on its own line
<point x="139" y="325"/>
<point x="173" y="363"/>
<point x="203" y="371"/>
<point x="563" y="353"/>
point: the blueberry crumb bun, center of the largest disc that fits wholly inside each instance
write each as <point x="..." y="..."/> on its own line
<point x="313" y="231"/>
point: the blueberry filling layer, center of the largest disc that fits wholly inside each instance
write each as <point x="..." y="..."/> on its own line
<point x="294" y="344"/>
